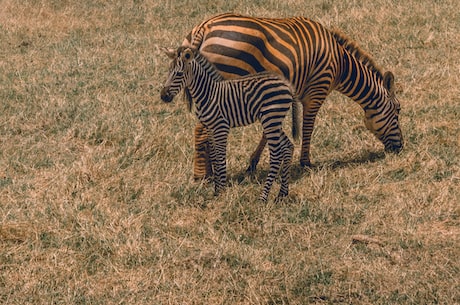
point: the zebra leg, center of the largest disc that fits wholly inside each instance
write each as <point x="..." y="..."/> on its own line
<point x="219" y="157"/>
<point x="274" y="145"/>
<point x="255" y="157"/>
<point x="202" y="168"/>
<point x="275" y="163"/>
<point x="287" y="149"/>
<point x="310" y="110"/>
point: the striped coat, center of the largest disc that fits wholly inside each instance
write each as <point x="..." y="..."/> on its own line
<point x="223" y="104"/>
<point x="314" y="59"/>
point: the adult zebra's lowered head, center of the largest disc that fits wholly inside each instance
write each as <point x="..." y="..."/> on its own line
<point x="364" y="81"/>
<point x="386" y="127"/>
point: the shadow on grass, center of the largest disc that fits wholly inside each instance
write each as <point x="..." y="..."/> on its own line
<point x="298" y="172"/>
<point x="365" y="157"/>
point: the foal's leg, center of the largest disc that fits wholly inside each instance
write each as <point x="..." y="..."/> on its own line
<point x="287" y="149"/>
<point x="218" y="155"/>
<point x="272" y="134"/>
<point x="275" y="163"/>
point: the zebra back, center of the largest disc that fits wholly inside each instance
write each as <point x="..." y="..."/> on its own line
<point x="212" y="72"/>
<point x="314" y="59"/>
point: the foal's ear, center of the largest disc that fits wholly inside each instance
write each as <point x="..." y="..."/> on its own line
<point x="188" y="55"/>
<point x="171" y="53"/>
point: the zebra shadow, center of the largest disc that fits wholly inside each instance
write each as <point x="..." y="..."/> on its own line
<point x="364" y="157"/>
<point x="298" y="172"/>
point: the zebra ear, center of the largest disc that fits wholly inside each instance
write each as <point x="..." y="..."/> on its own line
<point x="389" y="81"/>
<point x="187" y="54"/>
<point x="171" y="53"/>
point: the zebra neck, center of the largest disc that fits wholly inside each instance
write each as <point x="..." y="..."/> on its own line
<point x="204" y="84"/>
<point x="362" y="83"/>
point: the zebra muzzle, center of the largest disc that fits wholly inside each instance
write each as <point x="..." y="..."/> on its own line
<point x="166" y="96"/>
<point x="395" y="148"/>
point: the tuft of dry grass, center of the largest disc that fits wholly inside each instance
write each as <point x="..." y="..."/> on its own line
<point x="97" y="200"/>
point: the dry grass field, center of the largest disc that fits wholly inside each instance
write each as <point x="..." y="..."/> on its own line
<point x="97" y="200"/>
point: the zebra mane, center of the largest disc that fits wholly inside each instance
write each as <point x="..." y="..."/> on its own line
<point x="354" y="49"/>
<point x="208" y="66"/>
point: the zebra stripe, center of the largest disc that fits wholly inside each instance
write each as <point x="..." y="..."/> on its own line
<point x="202" y="164"/>
<point x="314" y="59"/>
<point x="223" y="104"/>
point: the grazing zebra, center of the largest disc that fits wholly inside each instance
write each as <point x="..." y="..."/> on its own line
<point x="223" y="104"/>
<point x="314" y="59"/>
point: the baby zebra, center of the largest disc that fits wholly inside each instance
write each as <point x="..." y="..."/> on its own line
<point x="223" y="104"/>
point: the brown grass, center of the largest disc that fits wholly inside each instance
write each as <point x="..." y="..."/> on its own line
<point x="97" y="200"/>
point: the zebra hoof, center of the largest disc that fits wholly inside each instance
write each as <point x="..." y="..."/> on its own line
<point x="280" y="198"/>
<point x="263" y="199"/>
<point x="251" y="169"/>
<point x="199" y="178"/>
<point x="305" y="164"/>
<point x="218" y="190"/>
<point x="252" y="166"/>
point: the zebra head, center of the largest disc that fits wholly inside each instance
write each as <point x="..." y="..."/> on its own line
<point x="383" y="121"/>
<point x="179" y="71"/>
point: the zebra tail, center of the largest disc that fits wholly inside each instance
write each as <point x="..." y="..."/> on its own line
<point x="296" y="128"/>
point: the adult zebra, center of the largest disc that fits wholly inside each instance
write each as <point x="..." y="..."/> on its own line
<point x="223" y="104"/>
<point x="314" y="59"/>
